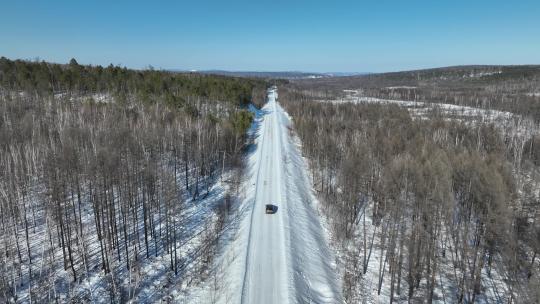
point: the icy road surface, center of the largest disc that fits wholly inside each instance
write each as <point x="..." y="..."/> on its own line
<point x="287" y="259"/>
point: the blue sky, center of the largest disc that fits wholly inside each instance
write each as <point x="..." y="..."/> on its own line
<point x="316" y="35"/>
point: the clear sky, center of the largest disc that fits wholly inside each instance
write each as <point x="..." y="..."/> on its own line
<point x="316" y="35"/>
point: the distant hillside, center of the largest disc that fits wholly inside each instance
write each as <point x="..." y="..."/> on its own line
<point x="262" y="74"/>
<point x="290" y="75"/>
<point x="472" y="75"/>
<point x="508" y="88"/>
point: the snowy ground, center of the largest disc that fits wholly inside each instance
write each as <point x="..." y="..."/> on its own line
<point x="508" y="123"/>
<point x="420" y="109"/>
<point x="152" y="282"/>
<point x="96" y="97"/>
<point x="281" y="257"/>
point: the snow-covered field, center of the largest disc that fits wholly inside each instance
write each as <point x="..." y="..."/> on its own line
<point x="402" y="87"/>
<point x="508" y="123"/>
<point x="281" y="257"/>
<point x="420" y="109"/>
<point x="95" y="97"/>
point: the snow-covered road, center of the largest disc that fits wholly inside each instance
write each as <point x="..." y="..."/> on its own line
<point x="287" y="259"/>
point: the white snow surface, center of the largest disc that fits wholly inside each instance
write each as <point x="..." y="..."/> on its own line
<point x="419" y="109"/>
<point x="402" y="87"/>
<point x="509" y="124"/>
<point x="281" y="257"/>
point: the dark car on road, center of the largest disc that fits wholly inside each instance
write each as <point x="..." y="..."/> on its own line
<point x="270" y="209"/>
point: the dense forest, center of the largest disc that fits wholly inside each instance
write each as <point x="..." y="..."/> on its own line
<point x="423" y="210"/>
<point x="109" y="173"/>
<point x="118" y="185"/>
<point x="147" y="86"/>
